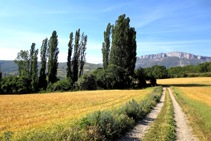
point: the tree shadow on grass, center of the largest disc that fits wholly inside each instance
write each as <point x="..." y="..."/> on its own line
<point x="187" y="85"/>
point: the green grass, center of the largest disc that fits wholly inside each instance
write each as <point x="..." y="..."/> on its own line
<point x="198" y="113"/>
<point x="164" y="126"/>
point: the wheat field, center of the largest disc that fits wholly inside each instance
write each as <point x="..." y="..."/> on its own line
<point x="194" y="96"/>
<point x="19" y="113"/>
<point x="196" y="88"/>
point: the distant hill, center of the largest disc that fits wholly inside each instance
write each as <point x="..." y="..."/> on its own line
<point x="170" y="59"/>
<point x="10" y="67"/>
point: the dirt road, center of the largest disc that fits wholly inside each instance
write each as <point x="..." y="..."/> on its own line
<point x="183" y="131"/>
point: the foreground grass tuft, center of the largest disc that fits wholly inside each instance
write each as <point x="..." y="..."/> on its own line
<point x="164" y="126"/>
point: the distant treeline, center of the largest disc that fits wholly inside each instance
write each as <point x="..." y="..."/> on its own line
<point x="161" y="72"/>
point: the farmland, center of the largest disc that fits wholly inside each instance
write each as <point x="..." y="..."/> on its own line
<point x="21" y="113"/>
<point x="194" y="96"/>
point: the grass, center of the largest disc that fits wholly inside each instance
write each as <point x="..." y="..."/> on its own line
<point x="106" y="124"/>
<point x="194" y="96"/>
<point x="27" y="114"/>
<point x="198" y="113"/>
<point x="163" y="128"/>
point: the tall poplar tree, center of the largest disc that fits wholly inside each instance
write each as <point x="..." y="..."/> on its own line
<point x="31" y="55"/>
<point x="53" y="52"/>
<point x="76" y="55"/>
<point x="69" y="60"/>
<point x="123" y="50"/>
<point x="34" y="82"/>
<point x="106" y="46"/>
<point x="82" y="53"/>
<point x="43" y="56"/>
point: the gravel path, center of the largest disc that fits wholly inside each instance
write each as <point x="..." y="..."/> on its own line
<point x="183" y="132"/>
<point x="138" y="132"/>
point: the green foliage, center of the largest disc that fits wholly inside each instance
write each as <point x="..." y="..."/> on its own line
<point x="133" y="110"/>
<point x="140" y="76"/>
<point x="53" y="52"/>
<point x="76" y="56"/>
<point x="31" y="58"/>
<point x="15" y="85"/>
<point x="106" y="46"/>
<point x="34" y="82"/>
<point x="7" y="136"/>
<point x="190" y="70"/>
<point x="114" y="77"/>
<point x="43" y="55"/>
<point x="82" y="53"/>
<point x="69" y="61"/>
<point x="22" y="61"/>
<point x="123" y="49"/>
<point x="87" y="82"/>
<point x="63" y="85"/>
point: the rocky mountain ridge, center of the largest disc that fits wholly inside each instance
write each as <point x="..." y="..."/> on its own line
<point x="173" y="54"/>
<point x="170" y="59"/>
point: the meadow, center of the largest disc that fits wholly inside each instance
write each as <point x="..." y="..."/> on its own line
<point x="194" y="96"/>
<point x="27" y="113"/>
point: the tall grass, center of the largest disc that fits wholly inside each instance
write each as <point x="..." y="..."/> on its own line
<point x="163" y="129"/>
<point x="105" y="124"/>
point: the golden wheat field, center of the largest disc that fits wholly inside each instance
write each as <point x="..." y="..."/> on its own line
<point x="19" y="113"/>
<point x="196" y="88"/>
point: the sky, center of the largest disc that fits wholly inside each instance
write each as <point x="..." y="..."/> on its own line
<point x="161" y="25"/>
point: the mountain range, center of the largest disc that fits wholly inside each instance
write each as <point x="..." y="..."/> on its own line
<point x="170" y="59"/>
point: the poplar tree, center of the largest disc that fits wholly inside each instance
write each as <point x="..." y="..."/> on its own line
<point x="123" y="50"/>
<point x="34" y="82"/>
<point x="82" y="53"/>
<point x="22" y="60"/>
<point x="76" y="56"/>
<point x="43" y="56"/>
<point x="31" y="55"/>
<point x="53" y="52"/>
<point x="106" y="46"/>
<point x="69" y="60"/>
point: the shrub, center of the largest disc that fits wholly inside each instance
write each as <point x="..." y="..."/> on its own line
<point x="133" y="110"/>
<point x="87" y="82"/>
<point x="63" y="85"/>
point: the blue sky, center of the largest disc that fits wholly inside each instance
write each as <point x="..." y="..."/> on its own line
<point x="161" y="25"/>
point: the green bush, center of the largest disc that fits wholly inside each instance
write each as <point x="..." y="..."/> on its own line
<point x="63" y="85"/>
<point x="133" y="110"/>
<point x="87" y="82"/>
